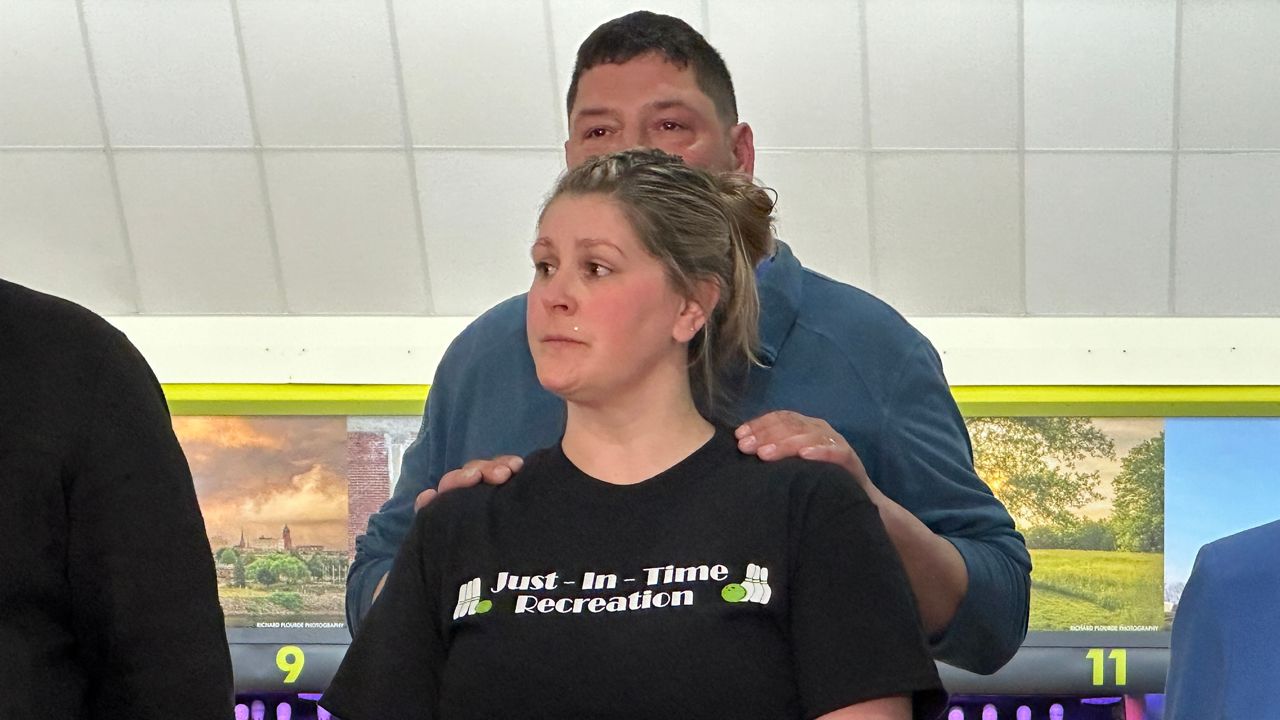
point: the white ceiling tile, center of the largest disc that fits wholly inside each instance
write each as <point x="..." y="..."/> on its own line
<point x="1228" y="245"/>
<point x="946" y="232"/>
<point x="1098" y="234"/>
<point x="478" y="73"/>
<point x="802" y="87"/>
<point x="1230" y="74"/>
<point x="199" y="232"/>
<point x="321" y="74"/>
<point x="1099" y="75"/>
<point x="822" y="209"/>
<point x="573" y="20"/>
<point x="480" y="211"/>
<point x="44" y="64"/>
<point x="346" y="231"/>
<point x="59" y="229"/>
<point x="169" y="72"/>
<point x="943" y="73"/>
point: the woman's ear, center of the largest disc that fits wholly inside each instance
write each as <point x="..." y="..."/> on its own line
<point x="697" y="310"/>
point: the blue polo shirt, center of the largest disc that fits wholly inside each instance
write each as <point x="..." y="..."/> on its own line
<point x="829" y="351"/>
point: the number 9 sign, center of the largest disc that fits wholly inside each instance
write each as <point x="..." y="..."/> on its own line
<point x="290" y="660"/>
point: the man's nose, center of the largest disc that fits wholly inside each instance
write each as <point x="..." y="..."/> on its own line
<point x="634" y="137"/>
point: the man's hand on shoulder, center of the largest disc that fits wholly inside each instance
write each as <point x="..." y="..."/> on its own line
<point x="935" y="569"/>
<point x="494" y="471"/>
<point x="783" y="434"/>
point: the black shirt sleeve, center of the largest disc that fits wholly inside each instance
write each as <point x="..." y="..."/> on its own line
<point x="141" y="575"/>
<point x="855" y="630"/>
<point x="392" y="669"/>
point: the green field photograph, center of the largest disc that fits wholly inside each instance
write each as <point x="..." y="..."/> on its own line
<point x="1088" y="495"/>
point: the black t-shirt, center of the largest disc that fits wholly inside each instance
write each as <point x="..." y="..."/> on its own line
<point x="108" y="597"/>
<point x="722" y="587"/>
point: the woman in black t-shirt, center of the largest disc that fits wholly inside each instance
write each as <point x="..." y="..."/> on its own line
<point x="644" y="567"/>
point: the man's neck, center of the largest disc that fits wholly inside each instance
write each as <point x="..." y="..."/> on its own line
<point x="630" y="439"/>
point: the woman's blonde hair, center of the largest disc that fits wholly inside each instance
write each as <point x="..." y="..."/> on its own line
<point x="701" y="226"/>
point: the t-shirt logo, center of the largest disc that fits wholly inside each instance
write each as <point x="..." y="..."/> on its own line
<point x="661" y="586"/>
<point x="469" y="602"/>
<point x="755" y="588"/>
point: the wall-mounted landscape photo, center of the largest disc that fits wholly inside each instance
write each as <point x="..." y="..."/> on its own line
<point x="1088" y="495"/>
<point x="273" y="491"/>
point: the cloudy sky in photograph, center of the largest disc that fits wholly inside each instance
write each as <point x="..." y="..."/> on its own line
<point x="258" y="474"/>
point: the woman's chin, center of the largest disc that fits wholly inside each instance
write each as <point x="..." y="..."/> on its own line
<point x="557" y="384"/>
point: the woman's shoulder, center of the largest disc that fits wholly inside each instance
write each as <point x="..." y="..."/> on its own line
<point x="460" y="505"/>
<point x="804" y="478"/>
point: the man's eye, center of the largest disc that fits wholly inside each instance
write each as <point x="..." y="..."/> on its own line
<point x="671" y="125"/>
<point x="597" y="132"/>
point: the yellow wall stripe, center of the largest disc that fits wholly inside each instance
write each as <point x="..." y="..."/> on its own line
<point x="975" y="400"/>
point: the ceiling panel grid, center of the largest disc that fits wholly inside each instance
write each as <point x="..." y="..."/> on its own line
<point x="957" y="157"/>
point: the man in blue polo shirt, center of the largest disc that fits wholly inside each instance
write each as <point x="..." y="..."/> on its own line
<point x="844" y="379"/>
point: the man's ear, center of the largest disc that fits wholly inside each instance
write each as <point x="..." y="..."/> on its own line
<point x="697" y="310"/>
<point x="743" y="143"/>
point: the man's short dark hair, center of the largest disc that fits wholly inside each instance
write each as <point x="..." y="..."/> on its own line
<point x="623" y="39"/>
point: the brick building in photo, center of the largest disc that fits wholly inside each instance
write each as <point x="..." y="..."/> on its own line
<point x="374" y="448"/>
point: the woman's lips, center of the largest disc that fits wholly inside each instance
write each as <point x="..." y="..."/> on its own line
<point x="562" y="339"/>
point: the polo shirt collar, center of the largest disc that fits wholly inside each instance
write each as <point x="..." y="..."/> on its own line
<point x="778" y="283"/>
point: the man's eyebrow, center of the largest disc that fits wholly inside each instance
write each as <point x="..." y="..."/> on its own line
<point x="591" y="112"/>
<point x="663" y="104"/>
<point x="669" y="104"/>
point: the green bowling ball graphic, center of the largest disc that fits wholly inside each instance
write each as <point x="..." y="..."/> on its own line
<point x="733" y="592"/>
<point x="484" y="606"/>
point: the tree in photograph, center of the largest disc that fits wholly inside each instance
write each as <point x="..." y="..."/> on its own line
<point x="293" y="569"/>
<point x="317" y="567"/>
<point x="1031" y="464"/>
<point x="1080" y="535"/>
<point x="263" y="573"/>
<point x="272" y="568"/>
<point x="237" y="574"/>
<point x="227" y="556"/>
<point x="1139" y="505"/>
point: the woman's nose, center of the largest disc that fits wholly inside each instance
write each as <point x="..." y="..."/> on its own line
<point x="558" y="292"/>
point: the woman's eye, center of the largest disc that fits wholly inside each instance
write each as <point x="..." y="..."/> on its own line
<point x="597" y="270"/>
<point x="544" y="269"/>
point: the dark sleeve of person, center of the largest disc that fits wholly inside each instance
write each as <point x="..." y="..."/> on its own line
<point x="1194" y="689"/>
<point x="926" y="465"/>
<point x="855" y="630"/>
<point x="144" y="591"/>
<point x="393" y="667"/>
